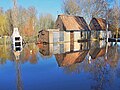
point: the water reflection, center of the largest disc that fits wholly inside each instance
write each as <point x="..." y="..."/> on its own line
<point x="66" y="56"/>
<point x="29" y="53"/>
<point x="18" y="74"/>
<point x="5" y="53"/>
<point x="62" y="51"/>
<point x="50" y="49"/>
<point x="102" y="69"/>
<point x="98" y="60"/>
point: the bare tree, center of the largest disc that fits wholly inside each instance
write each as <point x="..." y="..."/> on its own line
<point x="10" y="21"/>
<point x="3" y="24"/>
<point x="94" y="8"/>
<point x="46" y="21"/>
<point x="32" y="16"/>
<point x="114" y="18"/>
<point x="15" y="14"/>
<point x="71" y="7"/>
<point x="86" y="8"/>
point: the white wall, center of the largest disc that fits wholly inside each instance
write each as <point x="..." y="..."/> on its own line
<point x="66" y="36"/>
<point x="76" y="36"/>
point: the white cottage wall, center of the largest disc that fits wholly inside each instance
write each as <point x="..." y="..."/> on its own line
<point x="76" y="36"/>
<point x="66" y="36"/>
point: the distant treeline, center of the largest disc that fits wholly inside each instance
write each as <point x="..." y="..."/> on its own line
<point x="30" y="22"/>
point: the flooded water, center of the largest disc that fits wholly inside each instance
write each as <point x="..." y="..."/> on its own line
<point x="80" y="66"/>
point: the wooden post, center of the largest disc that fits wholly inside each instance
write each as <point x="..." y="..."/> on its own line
<point x="71" y="41"/>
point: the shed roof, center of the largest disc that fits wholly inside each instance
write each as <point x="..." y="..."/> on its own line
<point x="98" y="24"/>
<point x="72" y="22"/>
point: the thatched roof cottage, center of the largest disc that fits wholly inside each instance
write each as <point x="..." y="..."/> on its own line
<point x="68" y="29"/>
<point x="76" y="25"/>
<point x="98" y="28"/>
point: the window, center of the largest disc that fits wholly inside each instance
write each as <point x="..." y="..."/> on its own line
<point x="18" y="48"/>
<point x="17" y="43"/>
<point x="17" y="38"/>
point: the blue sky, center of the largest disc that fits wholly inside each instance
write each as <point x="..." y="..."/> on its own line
<point x="42" y="6"/>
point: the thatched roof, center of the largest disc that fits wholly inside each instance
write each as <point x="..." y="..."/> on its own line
<point x="98" y="24"/>
<point x="71" y="23"/>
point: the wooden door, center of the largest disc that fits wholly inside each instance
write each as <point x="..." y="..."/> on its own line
<point x="71" y="41"/>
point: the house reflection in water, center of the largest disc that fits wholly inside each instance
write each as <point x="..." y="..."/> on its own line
<point x="110" y="54"/>
<point x="67" y="59"/>
<point x="97" y="52"/>
<point x="98" y="49"/>
<point x="65" y="55"/>
<point x="58" y="48"/>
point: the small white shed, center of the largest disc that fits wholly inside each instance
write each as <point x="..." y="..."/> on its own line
<point x="16" y="40"/>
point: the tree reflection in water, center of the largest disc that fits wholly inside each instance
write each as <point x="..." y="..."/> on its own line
<point x="28" y="54"/>
<point x="18" y="74"/>
<point x="101" y="74"/>
<point x="5" y="53"/>
<point x="103" y="70"/>
<point x="88" y="60"/>
<point x="74" y="68"/>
